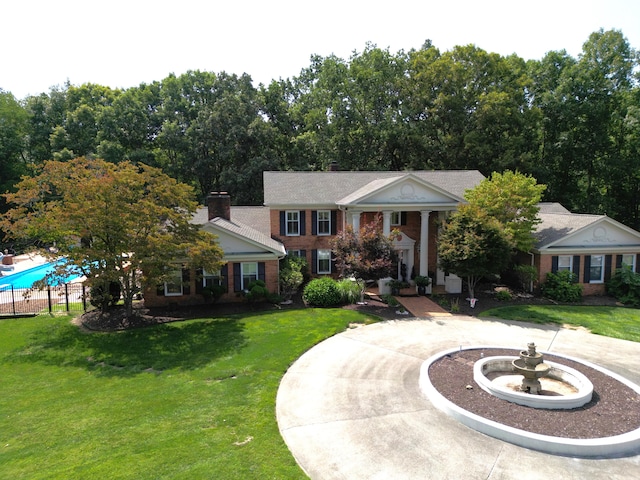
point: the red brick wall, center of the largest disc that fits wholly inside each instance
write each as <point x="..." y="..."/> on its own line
<point x="152" y="299"/>
<point x="544" y="265"/>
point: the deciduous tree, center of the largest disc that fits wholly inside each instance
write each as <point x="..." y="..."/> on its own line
<point x="366" y="255"/>
<point x="111" y="222"/>
<point x="473" y="245"/>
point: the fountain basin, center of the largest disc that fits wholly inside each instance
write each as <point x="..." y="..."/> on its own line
<point x="487" y="372"/>
<point x="601" y="447"/>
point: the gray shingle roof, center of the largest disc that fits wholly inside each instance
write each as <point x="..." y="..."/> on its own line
<point x="556" y="226"/>
<point x="326" y="188"/>
<point x="249" y="222"/>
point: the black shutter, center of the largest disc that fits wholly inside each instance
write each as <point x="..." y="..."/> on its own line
<point x="587" y="269"/>
<point x="607" y="267"/>
<point x="314" y="222"/>
<point x="160" y="290"/>
<point x="283" y="223"/>
<point x="261" y="271"/>
<point x="618" y="262"/>
<point x="554" y="264"/>
<point x="303" y="254"/>
<point x="334" y="222"/>
<point x="303" y="223"/>
<point x="186" y="281"/>
<point x="199" y="280"/>
<point x="403" y="218"/>
<point x="237" y="279"/>
<point x="576" y="266"/>
<point x="314" y="261"/>
<point x="637" y="262"/>
<point x="332" y="264"/>
<point x="224" y="277"/>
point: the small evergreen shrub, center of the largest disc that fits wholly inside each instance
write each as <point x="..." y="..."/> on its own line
<point x="503" y="296"/>
<point x="322" y="292"/>
<point x="390" y="300"/>
<point x="624" y="286"/>
<point x="562" y="286"/>
<point x="257" y="292"/>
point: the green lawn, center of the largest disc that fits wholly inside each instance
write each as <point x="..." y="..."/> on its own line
<point x="184" y="400"/>
<point x="616" y="322"/>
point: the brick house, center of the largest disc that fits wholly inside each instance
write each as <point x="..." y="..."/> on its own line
<point x="303" y="211"/>
<point x="590" y="246"/>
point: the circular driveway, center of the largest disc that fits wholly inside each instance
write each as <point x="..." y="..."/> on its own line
<point x="351" y="407"/>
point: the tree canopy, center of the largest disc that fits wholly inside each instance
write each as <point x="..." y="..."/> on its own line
<point x="573" y="123"/>
<point x="366" y="254"/>
<point x="473" y="245"/>
<point x="512" y="199"/>
<point x="120" y="223"/>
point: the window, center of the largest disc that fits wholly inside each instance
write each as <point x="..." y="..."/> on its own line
<point x="293" y="223"/>
<point x="173" y="284"/>
<point x="596" y="269"/>
<point x="629" y="259"/>
<point x="249" y="273"/>
<point x="395" y="218"/>
<point x="565" y="263"/>
<point x="210" y="279"/>
<point x="324" y="222"/>
<point x="324" y="261"/>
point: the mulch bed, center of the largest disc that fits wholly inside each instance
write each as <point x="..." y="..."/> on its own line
<point x="613" y="410"/>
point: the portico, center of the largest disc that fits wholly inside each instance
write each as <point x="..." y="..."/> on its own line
<point x="410" y="206"/>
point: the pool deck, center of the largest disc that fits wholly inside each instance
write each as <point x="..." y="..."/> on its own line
<point x="24" y="262"/>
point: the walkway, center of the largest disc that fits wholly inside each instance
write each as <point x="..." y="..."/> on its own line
<point x="351" y="407"/>
<point x="422" y="307"/>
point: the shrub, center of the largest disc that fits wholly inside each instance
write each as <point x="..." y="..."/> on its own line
<point x="292" y="275"/>
<point x="503" y="296"/>
<point x="562" y="287"/>
<point x="257" y="292"/>
<point x="322" y="292"/>
<point x="350" y="290"/>
<point x="213" y="292"/>
<point x="526" y="275"/>
<point x="389" y="300"/>
<point x="104" y="293"/>
<point x="624" y="285"/>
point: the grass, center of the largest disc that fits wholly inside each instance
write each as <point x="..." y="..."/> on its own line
<point x="185" y="400"/>
<point x="615" y="322"/>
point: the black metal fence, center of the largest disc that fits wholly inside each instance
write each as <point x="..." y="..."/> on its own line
<point x="72" y="297"/>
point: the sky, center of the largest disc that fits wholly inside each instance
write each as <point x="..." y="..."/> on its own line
<point x="123" y="43"/>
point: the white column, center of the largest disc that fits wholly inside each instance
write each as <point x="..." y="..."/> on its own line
<point x="386" y="222"/>
<point x="424" y="242"/>
<point x="355" y="221"/>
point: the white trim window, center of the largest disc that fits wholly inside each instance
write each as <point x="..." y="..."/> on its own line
<point x="596" y="269"/>
<point x="248" y="274"/>
<point x="629" y="259"/>
<point x="173" y="284"/>
<point x="324" y="261"/>
<point x="210" y="279"/>
<point x="293" y="223"/>
<point x="324" y="222"/>
<point x="396" y="219"/>
<point x="565" y="263"/>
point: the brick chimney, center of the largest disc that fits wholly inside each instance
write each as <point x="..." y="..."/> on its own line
<point x="219" y="205"/>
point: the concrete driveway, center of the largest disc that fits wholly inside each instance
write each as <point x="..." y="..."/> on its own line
<point x="351" y="408"/>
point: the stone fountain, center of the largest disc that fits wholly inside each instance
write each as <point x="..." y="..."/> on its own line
<point x="531" y="366"/>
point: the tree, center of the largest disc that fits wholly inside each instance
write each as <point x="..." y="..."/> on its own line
<point x="13" y="130"/>
<point x="111" y="222"/>
<point x="512" y="199"/>
<point x="366" y="255"/>
<point x="473" y="245"/>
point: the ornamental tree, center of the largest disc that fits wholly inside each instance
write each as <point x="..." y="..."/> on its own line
<point x="366" y="255"/>
<point x="473" y="245"/>
<point x="119" y="223"/>
<point x="512" y="199"/>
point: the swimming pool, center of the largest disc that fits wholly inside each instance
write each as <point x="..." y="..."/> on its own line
<point x="27" y="278"/>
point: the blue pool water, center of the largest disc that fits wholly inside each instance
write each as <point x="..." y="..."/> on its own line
<point x="26" y="278"/>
